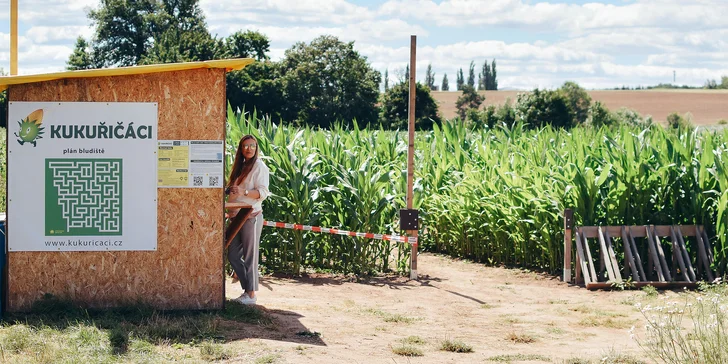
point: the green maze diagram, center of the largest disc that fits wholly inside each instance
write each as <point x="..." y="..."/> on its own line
<point x="83" y="197"/>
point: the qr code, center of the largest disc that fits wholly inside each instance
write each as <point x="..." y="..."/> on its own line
<point x="197" y="181"/>
<point x="214" y="181"/>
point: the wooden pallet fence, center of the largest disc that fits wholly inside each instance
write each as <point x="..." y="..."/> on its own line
<point x="659" y="255"/>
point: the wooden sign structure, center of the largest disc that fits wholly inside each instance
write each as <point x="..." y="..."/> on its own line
<point x="643" y="264"/>
<point x="187" y="269"/>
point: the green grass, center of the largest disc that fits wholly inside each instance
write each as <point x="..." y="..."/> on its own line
<point x="413" y="340"/>
<point x="56" y="328"/>
<point x="267" y="359"/>
<point x="389" y="317"/>
<point x="455" y="346"/>
<point x="407" y="350"/>
<point x="308" y="333"/>
<point x="650" y="291"/>
<point x="508" y="358"/>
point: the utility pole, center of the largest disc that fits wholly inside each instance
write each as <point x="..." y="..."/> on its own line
<point x="409" y="217"/>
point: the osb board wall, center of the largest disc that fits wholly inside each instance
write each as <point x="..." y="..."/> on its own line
<point x="186" y="270"/>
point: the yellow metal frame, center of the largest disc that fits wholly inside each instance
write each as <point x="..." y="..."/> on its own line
<point x="13" y="37"/>
<point x="228" y="64"/>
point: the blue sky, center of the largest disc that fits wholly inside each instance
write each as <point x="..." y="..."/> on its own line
<point x="599" y="44"/>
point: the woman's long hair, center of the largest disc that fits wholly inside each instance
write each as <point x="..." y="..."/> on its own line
<point x="241" y="167"/>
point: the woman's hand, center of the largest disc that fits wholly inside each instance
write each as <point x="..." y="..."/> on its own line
<point x="234" y="190"/>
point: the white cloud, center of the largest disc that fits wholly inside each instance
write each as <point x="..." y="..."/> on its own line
<point x="67" y="34"/>
<point x="597" y="45"/>
<point x="364" y="32"/>
<point x="562" y="16"/>
<point x="307" y="11"/>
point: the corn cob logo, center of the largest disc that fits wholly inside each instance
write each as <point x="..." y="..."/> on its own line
<point x="30" y="128"/>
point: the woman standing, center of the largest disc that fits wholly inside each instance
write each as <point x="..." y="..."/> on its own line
<point x="248" y="184"/>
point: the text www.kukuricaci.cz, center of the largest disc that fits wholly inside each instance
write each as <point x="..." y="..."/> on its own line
<point x="83" y="243"/>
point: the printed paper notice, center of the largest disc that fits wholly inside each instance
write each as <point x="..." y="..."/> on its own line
<point x="190" y="163"/>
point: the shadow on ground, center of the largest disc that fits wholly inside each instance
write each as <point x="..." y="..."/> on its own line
<point x="139" y="321"/>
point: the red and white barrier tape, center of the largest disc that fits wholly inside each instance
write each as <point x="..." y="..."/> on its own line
<point x="398" y="238"/>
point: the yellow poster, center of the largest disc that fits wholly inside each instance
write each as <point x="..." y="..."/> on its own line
<point x="173" y="163"/>
<point x="190" y="163"/>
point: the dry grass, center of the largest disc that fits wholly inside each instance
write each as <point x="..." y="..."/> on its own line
<point x="455" y="346"/>
<point x="407" y="350"/>
<point x="521" y="338"/>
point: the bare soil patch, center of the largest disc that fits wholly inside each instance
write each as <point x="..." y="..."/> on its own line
<point x="507" y="315"/>
<point x="706" y="106"/>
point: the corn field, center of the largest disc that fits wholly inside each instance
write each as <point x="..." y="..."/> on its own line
<point x="493" y="196"/>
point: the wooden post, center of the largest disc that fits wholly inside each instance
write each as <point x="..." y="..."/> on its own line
<point x="568" y="225"/>
<point x="13" y="37"/>
<point x="411" y="147"/>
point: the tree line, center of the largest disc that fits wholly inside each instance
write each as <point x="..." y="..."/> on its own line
<point x="321" y="83"/>
<point x="487" y="78"/>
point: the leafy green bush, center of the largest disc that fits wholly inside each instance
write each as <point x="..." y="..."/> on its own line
<point x="544" y="107"/>
<point x="599" y="116"/>
<point x="677" y="121"/>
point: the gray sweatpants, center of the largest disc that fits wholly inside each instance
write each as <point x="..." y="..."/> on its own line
<point x="243" y="253"/>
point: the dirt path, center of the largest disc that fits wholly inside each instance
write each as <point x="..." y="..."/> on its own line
<point x="510" y="313"/>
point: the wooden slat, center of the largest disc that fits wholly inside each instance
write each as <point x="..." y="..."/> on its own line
<point x="678" y="257"/>
<point x="581" y="258"/>
<point x="688" y="230"/>
<point x="567" y="255"/>
<point x="704" y="256"/>
<point x="662" y="231"/>
<point x="628" y="257"/>
<point x="590" y="260"/>
<point x="658" y="285"/>
<point x="638" y="231"/>
<point x="654" y="257"/>
<point x="612" y="257"/>
<point x="236" y="224"/>
<point x="604" y="253"/>
<point x="660" y="254"/>
<point x="636" y="255"/>
<point x="684" y="251"/>
<point x="706" y="241"/>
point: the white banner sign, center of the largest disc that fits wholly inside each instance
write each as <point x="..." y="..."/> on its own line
<point x="82" y="176"/>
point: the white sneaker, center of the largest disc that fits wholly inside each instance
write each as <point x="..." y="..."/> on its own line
<point x="244" y="299"/>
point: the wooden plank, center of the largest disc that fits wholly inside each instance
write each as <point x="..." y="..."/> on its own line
<point x="629" y="257"/>
<point x="706" y="241"/>
<point x="636" y="255"/>
<point x="589" y="232"/>
<point x="592" y="232"/>
<point x="590" y="260"/>
<point x="662" y="230"/>
<point x="604" y="253"/>
<point x="581" y="259"/>
<point x="236" y="224"/>
<point x="704" y="256"/>
<point x="577" y="270"/>
<point x="637" y="231"/>
<point x="684" y="251"/>
<point x="568" y="219"/>
<point x="678" y="256"/>
<point x="660" y="254"/>
<point x="654" y="259"/>
<point x="688" y="230"/>
<point x="658" y="285"/>
<point x="612" y="257"/>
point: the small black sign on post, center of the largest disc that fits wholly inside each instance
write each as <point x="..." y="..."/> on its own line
<point x="409" y="219"/>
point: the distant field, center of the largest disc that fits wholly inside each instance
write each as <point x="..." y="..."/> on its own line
<point x="706" y="106"/>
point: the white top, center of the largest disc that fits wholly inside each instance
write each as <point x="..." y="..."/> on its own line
<point x="257" y="179"/>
